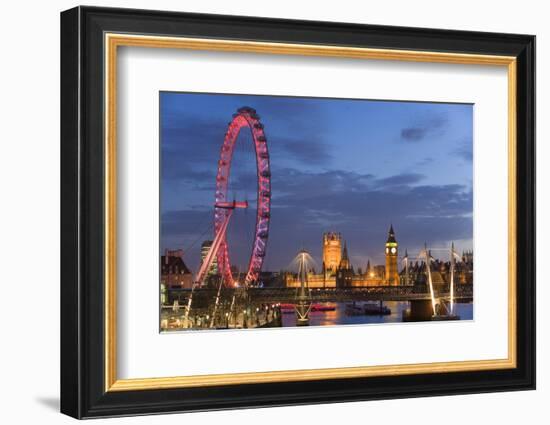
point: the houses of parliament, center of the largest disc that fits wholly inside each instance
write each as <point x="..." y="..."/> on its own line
<point x="338" y="272"/>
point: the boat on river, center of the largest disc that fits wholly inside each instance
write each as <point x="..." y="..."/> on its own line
<point x="323" y="307"/>
<point x="288" y="308"/>
<point x="367" y="309"/>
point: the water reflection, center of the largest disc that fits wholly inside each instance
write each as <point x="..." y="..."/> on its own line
<point x="339" y="316"/>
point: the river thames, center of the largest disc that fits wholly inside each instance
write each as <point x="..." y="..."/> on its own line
<point x="340" y="317"/>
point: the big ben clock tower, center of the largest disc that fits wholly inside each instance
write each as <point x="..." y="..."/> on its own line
<point x="392" y="275"/>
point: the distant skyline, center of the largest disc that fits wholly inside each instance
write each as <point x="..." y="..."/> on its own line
<point x="343" y="165"/>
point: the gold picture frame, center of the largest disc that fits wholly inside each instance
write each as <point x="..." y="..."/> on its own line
<point x="91" y="40"/>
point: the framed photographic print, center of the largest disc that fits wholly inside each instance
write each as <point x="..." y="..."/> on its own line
<point x="261" y="212"/>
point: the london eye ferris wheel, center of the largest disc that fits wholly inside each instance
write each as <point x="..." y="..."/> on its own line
<point x="245" y="117"/>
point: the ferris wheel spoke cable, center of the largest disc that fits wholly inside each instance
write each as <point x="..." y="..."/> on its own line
<point x="244" y="118"/>
<point x="208" y="229"/>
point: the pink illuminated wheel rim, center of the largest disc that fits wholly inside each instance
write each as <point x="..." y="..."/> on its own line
<point x="245" y="117"/>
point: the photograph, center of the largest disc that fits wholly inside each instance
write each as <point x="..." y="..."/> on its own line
<point x="284" y="211"/>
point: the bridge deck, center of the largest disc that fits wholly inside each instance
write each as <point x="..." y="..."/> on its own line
<point x="371" y="293"/>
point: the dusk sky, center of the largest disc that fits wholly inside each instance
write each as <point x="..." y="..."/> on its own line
<point x="349" y="166"/>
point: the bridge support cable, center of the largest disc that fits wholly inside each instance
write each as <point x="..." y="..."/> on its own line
<point x="213" y="321"/>
<point x="429" y="260"/>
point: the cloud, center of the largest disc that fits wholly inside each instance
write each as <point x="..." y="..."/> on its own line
<point x="465" y="151"/>
<point x="413" y="134"/>
<point x="362" y="211"/>
<point x="401" y="179"/>
<point x="303" y="183"/>
<point x="190" y="146"/>
<point x="360" y="206"/>
<point x="307" y="151"/>
<point x="313" y="192"/>
<point x="424" y="127"/>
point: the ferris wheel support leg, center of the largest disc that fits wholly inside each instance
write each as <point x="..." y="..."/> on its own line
<point x="213" y="251"/>
<point x="206" y="265"/>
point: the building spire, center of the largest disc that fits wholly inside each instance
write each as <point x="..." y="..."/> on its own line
<point x="344" y="263"/>
<point x="391" y="235"/>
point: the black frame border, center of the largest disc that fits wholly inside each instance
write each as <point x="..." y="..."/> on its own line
<point x="82" y="212"/>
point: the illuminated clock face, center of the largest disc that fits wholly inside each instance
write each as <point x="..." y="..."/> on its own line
<point x="387" y="250"/>
<point x="393" y="250"/>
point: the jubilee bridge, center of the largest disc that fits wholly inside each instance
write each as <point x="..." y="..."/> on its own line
<point x="462" y="292"/>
